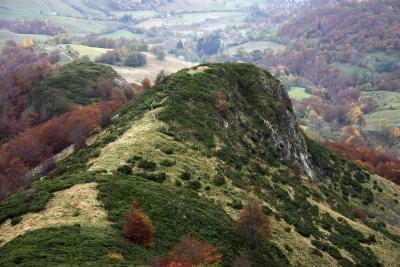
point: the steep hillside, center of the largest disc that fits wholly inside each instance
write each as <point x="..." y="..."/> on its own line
<point x="192" y="151"/>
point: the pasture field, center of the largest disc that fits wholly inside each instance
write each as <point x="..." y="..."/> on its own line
<point x="351" y="70"/>
<point x="374" y="120"/>
<point x="19" y="38"/>
<point x="385" y="100"/>
<point x="122" y="33"/>
<point x="74" y="26"/>
<point x="388" y="110"/>
<point x="298" y="93"/>
<point x="207" y="5"/>
<point x="68" y="8"/>
<point x="255" y="45"/>
<point x="91" y="52"/>
<point x="152" y="68"/>
<point x="189" y="19"/>
<point x="137" y="14"/>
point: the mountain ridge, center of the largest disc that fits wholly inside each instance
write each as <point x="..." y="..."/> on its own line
<point x="192" y="151"/>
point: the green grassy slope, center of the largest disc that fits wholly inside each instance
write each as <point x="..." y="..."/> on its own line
<point x="249" y="150"/>
<point x="65" y="87"/>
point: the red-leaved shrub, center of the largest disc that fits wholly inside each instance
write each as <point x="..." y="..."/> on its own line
<point x="191" y="252"/>
<point x="138" y="227"/>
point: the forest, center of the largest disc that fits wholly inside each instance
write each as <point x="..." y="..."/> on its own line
<point x="46" y="108"/>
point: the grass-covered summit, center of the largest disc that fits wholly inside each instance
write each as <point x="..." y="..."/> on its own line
<point x="192" y="151"/>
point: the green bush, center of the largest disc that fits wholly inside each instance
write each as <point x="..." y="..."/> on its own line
<point x="236" y="204"/>
<point x="125" y="169"/>
<point x="267" y="211"/>
<point x="288" y="248"/>
<point x="333" y="251"/>
<point x="316" y="252"/>
<point x="219" y="180"/>
<point x="134" y="158"/>
<point x="135" y="60"/>
<point x="167" y="163"/>
<point x="147" y="165"/>
<point x="167" y="150"/>
<point x="16" y="220"/>
<point x="156" y="177"/>
<point x="307" y="228"/>
<point x="194" y="185"/>
<point x="327" y="221"/>
<point x="368" y="196"/>
<point x="186" y="176"/>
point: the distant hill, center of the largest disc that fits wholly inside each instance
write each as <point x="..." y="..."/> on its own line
<point x="192" y="151"/>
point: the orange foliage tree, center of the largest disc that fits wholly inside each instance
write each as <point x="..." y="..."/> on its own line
<point x="138" y="227"/>
<point x="191" y="252"/>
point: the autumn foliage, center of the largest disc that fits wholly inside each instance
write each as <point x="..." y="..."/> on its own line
<point x="35" y="145"/>
<point x="32" y="27"/>
<point x="138" y="227"/>
<point x="20" y="70"/>
<point x="369" y="159"/>
<point x="191" y="252"/>
<point x="220" y="102"/>
<point x="366" y="25"/>
<point x="253" y="226"/>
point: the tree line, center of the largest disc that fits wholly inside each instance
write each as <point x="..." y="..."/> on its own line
<point x="32" y="27"/>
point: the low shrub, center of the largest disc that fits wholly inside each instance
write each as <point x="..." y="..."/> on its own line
<point x="167" y="163"/>
<point x="194" y="185"/>
<point x="316" y="252"/>
<point x="307" y="228"/>
<point x="288" y="248"/>
<point x="125" y="169"/>
<point x="219" y="180"/>
<point x="186" y="176"/>
<point x="167" y="150"/>
<point x="156" y="177"/>
<point x="135" y="158"/>
<point x="236" y="204"/>
<point x="147" y="165"/>
<point x="16" y="220"/>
